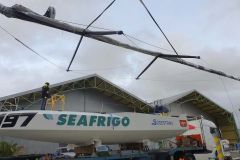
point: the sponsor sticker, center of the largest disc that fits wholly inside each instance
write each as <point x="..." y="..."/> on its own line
<point x="156" y="122"/>
<point x="183" y="123"/>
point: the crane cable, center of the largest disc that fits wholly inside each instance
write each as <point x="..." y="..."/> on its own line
<point x="81" y="38"/>
<point x="25" y="14"/>
<point x="32" y="50"/>
<point x="127" y="36"/>
<point x="158" y="27"/>
<point x="226" y="92"/>
<point x="52" y="63"/>
<point x="155" y="58"/>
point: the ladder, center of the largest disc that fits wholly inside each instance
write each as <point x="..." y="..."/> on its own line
<point x="56" y="101"/>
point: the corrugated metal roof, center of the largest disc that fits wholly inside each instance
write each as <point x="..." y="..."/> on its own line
<point x="111" y="90"/>
<point x="175" y="98"/>
<point x="51" y="86"/>
<point x="222" y="117"/>
<point x="172" y="99"/>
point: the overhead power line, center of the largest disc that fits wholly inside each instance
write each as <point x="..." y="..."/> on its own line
<point x="81" y="38"/>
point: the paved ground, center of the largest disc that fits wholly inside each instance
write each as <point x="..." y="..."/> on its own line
<point x="202" y="156"/>
<point x="236" y="156"/>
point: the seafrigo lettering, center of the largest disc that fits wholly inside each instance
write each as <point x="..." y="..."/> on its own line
<point x="93" y="120"/>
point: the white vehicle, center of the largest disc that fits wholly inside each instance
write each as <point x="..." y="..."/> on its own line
<point x="199" y="130"/>
<point x="198" y="139"/>
<point x="64" y="152"/>
<point x="206" y="131"/>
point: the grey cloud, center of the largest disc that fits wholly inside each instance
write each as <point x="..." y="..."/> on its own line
<point x="21" y="70"/>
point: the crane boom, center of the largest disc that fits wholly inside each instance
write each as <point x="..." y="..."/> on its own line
<point x="23" y="13"/>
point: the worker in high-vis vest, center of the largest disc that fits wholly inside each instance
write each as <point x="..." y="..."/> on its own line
<point x="45" y="95"/>
<point x="216" y="137"/>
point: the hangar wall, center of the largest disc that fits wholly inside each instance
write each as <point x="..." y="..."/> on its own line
<point x="88" y="100"/>
<point x="188" y="109"/>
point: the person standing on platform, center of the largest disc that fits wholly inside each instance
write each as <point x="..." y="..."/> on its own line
<point x="45" y="95"/>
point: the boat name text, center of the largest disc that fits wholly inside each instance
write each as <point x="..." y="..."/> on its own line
<point x="84" y="120"/>
<point x="10" y="120"/>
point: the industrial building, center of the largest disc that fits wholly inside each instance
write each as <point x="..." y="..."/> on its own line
<point x="193" y="103"/>
<point x="95" y="94"/>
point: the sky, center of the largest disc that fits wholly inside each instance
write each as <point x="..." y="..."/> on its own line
<point x="209" y="29"/>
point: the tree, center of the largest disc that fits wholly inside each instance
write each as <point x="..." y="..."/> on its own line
<point x="8" y="149"/>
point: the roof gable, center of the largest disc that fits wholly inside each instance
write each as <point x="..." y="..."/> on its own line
<point x="223" y="118"/>
<point x="87" y="82"/>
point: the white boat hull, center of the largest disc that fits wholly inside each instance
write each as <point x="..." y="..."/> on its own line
<point x="81" y="127"/>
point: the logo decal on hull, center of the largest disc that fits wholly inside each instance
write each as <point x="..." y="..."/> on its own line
<point x="48" y="116"/>
<point x="156" y="122"/>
